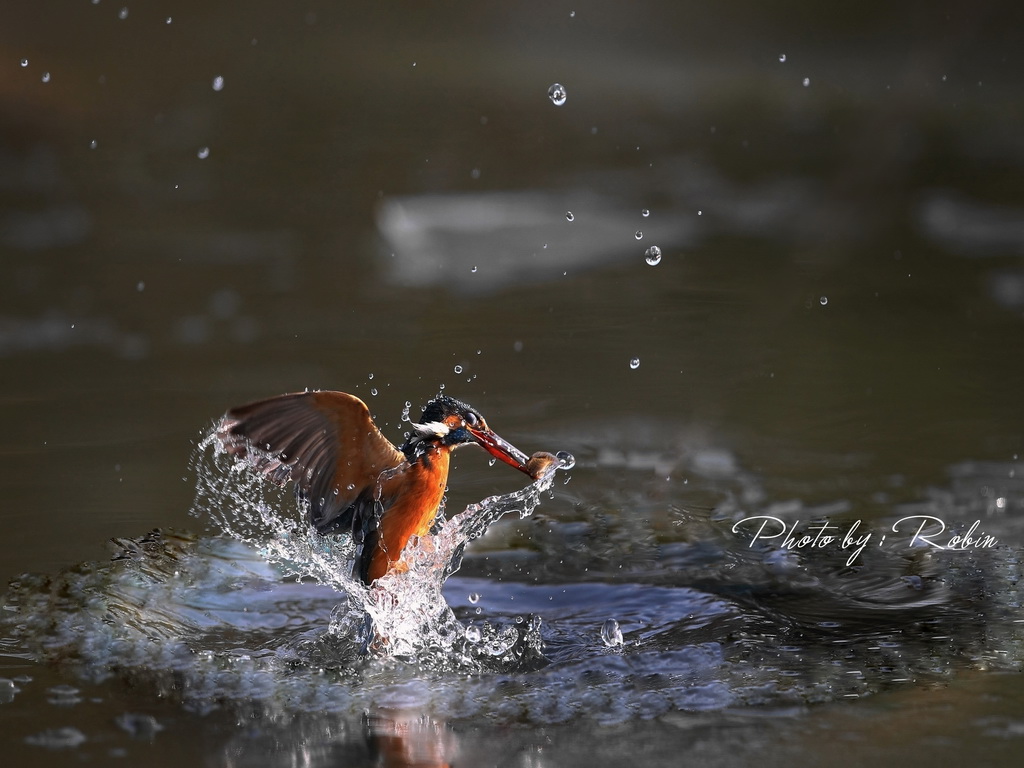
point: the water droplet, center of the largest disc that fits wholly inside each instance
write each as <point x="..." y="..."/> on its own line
<point x="565" y="460"/>
<point x="169" y="19"/>
<point x="373" y="391"/>
<point x="473" y="634"/>
<point x="24" y="62"/>
<point x="823" y="300"/>
<point x="218" y="83"/>
<point x="46" y="77"/>
<point x="572" y="14"/>
<point x="458" y="369"/>
<point x="123" y="13"/>
<point x="203" y="153"/>
<point x="639" y="235"/>
<point x="140" y="287"/>
<point x="653" y="255"/>
<point x="491" y="462"/>
<point x="557" y="94"/>
<point x="369" y="376"/>
<point x="645" y="213"/>
<point x="611" y="634"/>
<point x="350" y="487"/>
<point x="569" y="216"/>
<point x="807" y="81"/>
<point x="634" y="363"/>
<point x="92" y="144"/>
<point x="475" y="173"/>
<point x="473" y="269"/>
<point x="782" y="58"/>
<point x="474" y="598"/>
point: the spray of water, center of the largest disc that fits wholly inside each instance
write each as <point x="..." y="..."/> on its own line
<point x="401" y="615"/>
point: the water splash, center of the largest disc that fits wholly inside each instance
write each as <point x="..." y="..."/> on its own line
<point x="403" y="614"/>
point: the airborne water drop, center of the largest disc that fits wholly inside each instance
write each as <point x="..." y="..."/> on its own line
<point x="611" y="633"/>
<point x="557" y="94"/>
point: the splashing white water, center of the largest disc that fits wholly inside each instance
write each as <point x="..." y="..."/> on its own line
<point x="402" y="614"/>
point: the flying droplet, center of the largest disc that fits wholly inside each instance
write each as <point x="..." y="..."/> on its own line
<point x="653" y="255"/>
<point x="218" y="83"/>
<point x="474" y="598"/>
<point x="565" y="460"/>
<point x="823" y="300"/>
<point x="611" y="633"/>
<point x="123" y="13"/>
<point x="645" y="213"/>
<point x="93" y="144"/>
<point x="458" y="369"/>
<point x="24" y="62"/>
<point x="639" y="235"/>
<point x="369" y="376"/>
<point x="634" y="363"/>
<point x="807" y="81"/>
<point x="169" y="19"/>
<point x="373" y="391"/>
<point x="46" y="77"/>
<point x="473" y="269"/>
<point x="140" y="287"/>
<point x="569" y="216"/>
<point x="203" y="153"/>
<point x="557" y="94"/>
<point x="782" y="58"/>
<point x="473" y="634"/>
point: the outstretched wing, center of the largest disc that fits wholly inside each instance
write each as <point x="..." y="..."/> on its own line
<point x="325" y="442"/>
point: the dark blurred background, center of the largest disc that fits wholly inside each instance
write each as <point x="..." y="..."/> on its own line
<point x="206" y="203"/>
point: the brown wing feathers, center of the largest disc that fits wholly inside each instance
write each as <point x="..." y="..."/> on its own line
<point x="325" y="442"/>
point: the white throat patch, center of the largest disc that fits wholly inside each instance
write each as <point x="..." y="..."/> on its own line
<point x="431" y="429"/>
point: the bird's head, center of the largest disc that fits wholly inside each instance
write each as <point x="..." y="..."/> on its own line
<point x="451" y="423"/>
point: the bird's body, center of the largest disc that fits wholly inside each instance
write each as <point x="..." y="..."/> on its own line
<point x="352" y="478"/>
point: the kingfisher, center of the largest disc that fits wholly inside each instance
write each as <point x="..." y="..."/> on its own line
<point x="352" y="479"/>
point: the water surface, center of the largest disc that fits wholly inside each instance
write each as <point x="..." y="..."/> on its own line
<point x="833" y="331"/>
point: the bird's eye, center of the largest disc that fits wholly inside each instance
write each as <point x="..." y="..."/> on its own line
<point x="471" y="418"/>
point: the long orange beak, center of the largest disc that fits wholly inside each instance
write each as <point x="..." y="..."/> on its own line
<point x="500" y="448"/>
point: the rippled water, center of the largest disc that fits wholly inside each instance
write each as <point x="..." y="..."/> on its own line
<point x="202" y="206"/>
<point x="262" y="619"/>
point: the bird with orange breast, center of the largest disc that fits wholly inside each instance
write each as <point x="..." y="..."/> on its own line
<point x="353" y="479"/>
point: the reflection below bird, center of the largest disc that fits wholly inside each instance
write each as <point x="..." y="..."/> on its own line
<point x="351" y="477"/>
